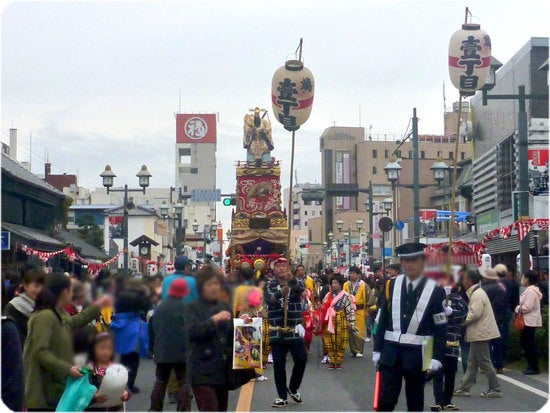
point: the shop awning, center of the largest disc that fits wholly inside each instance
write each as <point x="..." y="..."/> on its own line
<point x="32" y="237"/>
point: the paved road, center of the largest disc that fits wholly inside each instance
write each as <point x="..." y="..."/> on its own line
<point x="351" y="389"/>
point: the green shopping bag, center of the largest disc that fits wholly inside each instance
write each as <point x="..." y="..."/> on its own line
<point x="78" y="393"/>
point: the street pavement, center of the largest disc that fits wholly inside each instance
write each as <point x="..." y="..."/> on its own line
<point x="352" y="389"/>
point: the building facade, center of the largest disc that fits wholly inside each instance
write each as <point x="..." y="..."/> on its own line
<point x="196" y="141"/>
<point x="495" y="166"/>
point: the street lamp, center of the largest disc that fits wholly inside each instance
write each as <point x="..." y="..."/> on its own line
<point x="178" y="210"/>
<point x="108" y="177"/>
<point x="144" y="175"/>
<point x="164" y="210"/>
<point x="387" y="204"/>
<point x="439" y="168"/>
<point x="195" y="226"/>
<point x="392" y="170"/>
<point x="339" y="225"/>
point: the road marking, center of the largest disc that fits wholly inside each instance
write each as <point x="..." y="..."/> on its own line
<point x="245" y="397"/>
<point x="523" y="386"/>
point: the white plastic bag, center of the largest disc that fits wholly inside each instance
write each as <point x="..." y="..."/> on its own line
<point x="113" y="385"/>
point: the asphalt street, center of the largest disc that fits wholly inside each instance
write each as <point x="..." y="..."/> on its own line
<point x="352" y="389"/>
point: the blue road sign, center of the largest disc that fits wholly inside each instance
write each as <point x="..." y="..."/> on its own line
<point x="399" y="225"/>
<point x="5" y="240"/>
<point x="206" y="195"/>
<point x="387" y="252"/>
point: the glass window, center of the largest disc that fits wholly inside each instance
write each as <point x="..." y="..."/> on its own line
<point x="374" y="170"/>
<point x="374" y="153"/>
<point x="195" y="171"/>
<point x="399" y="153"/>
<point x="451" y="155"/>
<point x="410" y="154"/>
<point x="439" y="154"/>
<point x="462" y="155"/>
<point x="422" y="154"/>
<point x="386" y="154"/>
<point x="312" y="213"/>
<point x="305" y="213"/>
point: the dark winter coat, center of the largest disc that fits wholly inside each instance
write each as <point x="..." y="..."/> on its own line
<point x="20" y="309"/>
<point x="13" y="380"/>
<point x="454" y="320"/>
<point x="498" y="296"/>
<point x="167" y="338"/>
<point x="209" y="345"/>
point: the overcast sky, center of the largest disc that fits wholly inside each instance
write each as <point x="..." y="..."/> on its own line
<point x="98" y="82"/>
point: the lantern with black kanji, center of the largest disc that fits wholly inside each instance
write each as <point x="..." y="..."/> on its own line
<point x="469" y="58"/>
<point x="292" y="91"/>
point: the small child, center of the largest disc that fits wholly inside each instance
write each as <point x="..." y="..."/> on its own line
<point x="102" y="356"/>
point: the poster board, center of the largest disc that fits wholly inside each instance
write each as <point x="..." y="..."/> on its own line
<point x="247" y="344"/>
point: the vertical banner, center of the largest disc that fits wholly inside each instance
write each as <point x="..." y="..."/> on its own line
<point x="339" y="177"/>
<point x="347" y="200"/>
<point x="247" y="344"/>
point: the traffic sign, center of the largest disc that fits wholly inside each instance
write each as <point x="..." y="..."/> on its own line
<point x="206" y="195"/>
<point x="385" y="224"/>
<point x="5" y="240"/>
<point x="399" y="225"/>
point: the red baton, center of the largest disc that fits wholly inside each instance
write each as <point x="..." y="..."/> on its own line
<point x="376" y="391"/>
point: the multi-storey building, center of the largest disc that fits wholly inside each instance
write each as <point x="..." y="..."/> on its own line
<point x="495" y="167"/>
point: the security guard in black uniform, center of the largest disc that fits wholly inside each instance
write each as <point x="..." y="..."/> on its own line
<point x="410" y="338"/>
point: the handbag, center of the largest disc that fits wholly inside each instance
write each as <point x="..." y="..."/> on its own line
<point x="238" y="377"/>
<point x="519" y="322"/>
<point x="78" y="393"/>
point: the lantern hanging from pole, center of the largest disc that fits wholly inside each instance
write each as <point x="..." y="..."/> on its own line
<point x="469" y="58"/>
<point x="292" y="91"/>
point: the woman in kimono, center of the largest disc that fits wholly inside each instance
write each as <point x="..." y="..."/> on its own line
<point x="338" y="318"/>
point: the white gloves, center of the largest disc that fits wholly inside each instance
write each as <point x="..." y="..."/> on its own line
<point x="300" y="330"/>
<point x="375" y="357"/>
<point x="447" y="308"/>
<point x="435" y="365"/>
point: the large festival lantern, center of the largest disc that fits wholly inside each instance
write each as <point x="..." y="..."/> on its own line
<point x="469" y="67"/>
<point x="292" y="91"/>
<point x="469" y="58"/>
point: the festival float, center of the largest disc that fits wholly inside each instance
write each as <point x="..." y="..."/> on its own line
<point x="259" y="228"/>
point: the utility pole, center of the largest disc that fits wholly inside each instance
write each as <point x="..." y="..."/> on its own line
<point x="371" y="222"/>
<point x="523" y="143"/>
<point x="416" y="178"/>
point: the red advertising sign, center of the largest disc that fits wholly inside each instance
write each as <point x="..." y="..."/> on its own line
<point x="116" y="219"/>
<point x="538" y="158"/>
<point x="196" y="128"/>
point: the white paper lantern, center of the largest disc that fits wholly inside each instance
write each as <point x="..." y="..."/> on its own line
<point x="292" y="91"/>
<point x="469" y="58"/>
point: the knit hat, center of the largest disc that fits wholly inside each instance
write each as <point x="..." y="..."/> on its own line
<point x="179" y="288"/>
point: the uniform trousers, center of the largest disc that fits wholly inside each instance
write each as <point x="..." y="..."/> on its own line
<point x="444" y="381"/>
<point x="391" y="379"/>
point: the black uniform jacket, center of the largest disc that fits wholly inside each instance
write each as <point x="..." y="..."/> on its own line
<point x="410" y="356"/>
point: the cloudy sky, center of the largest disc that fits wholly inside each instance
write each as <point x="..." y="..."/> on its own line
<point x="98" y="82"/>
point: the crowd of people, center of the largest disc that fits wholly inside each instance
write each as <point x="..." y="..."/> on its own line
<point x="54" y="325"/>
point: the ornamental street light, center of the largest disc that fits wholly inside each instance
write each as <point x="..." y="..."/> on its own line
<point x="108" y="177"/>
<point x="195" y="226"/>
<point x="359" y="223"/>
<point x="393" y="171"/>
